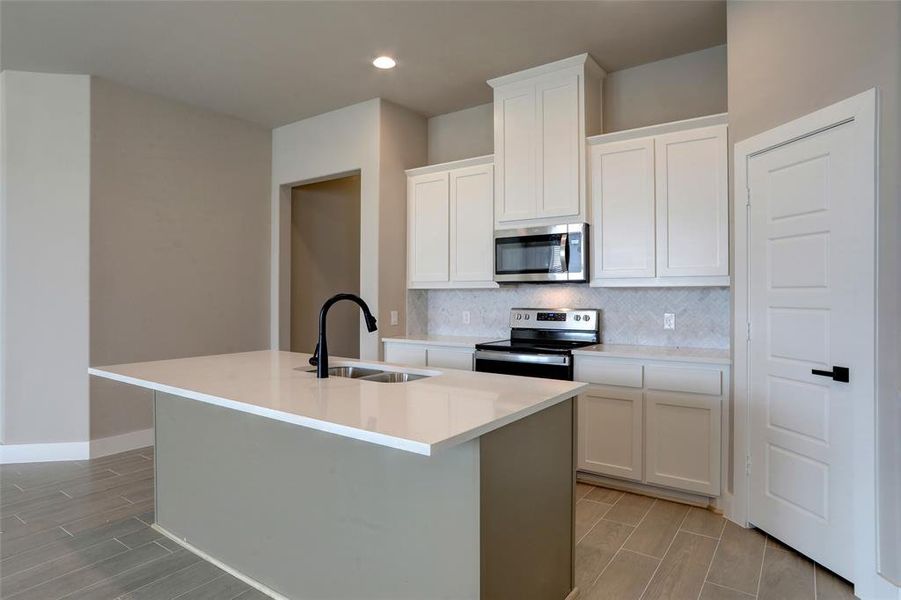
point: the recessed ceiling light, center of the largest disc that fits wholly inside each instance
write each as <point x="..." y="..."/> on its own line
<point x="384" y="62"/>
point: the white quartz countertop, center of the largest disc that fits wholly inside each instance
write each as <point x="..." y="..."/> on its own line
<point x="460" y="341"/>
<point x="698" y="355"/>
<point x="420" y="416"/>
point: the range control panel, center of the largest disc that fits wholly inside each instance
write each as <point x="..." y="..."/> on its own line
<point x="578" y="319"/>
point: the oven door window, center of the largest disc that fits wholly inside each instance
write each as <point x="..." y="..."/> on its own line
<point x="529" y="254"/>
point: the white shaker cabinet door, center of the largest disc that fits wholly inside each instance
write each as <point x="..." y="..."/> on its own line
<point x="515" y="153"/>
<point x="683" y="441"/>
<point x="622" y="195"/>
<point x="472" y="224"/>
<point x="610" y="432"/>
<point x="560" y="143"/>
<point x="428" y="228"/>
<point x="692" y="203"/>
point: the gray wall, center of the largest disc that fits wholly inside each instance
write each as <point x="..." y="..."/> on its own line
<point x="44" y="211"/>
<point x="787" y="59"/>
<point x="179" y="240"/>
<point x="690" y="85"/>
<point x="462" y="134"/>
<point x="325" y="260"/>
<point x="685" y="86"/>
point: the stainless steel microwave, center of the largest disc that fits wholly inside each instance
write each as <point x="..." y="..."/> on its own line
<point x="556" y="253"/>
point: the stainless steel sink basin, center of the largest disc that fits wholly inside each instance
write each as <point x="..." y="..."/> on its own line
<point x="394" y="377"/>
<point x="349" y="371"/>
<point x="366" y="374"/>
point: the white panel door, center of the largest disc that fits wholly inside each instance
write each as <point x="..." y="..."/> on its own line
<point x="559" y="146"/>
<point x="811" y="308"/>
<point x="515" y="153"/>
<point x="692" y="203"/>
<point x="610" y="432"/>
<point x="472" y="224"/>
<point x="622" y="212"/>
<point x="428" y="228"/>
<point x="683" y="433"/>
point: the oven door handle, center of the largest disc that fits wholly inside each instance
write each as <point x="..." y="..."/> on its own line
<point x="541" y="359"/>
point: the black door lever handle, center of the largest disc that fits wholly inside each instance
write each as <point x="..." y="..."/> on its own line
<point x="842" y="374"/>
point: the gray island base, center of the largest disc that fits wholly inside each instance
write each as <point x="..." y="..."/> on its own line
<point x="305" y="514"/>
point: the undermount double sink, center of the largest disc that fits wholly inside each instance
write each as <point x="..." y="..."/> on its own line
<point x="368" y="374"/>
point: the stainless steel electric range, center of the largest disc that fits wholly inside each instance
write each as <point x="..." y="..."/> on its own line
<point x="541" y="342"/>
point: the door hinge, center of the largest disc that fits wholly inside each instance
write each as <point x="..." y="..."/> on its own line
<point x="747" y="196"/>
<point x="749" y="331"/>
<point x="747" y="464"/>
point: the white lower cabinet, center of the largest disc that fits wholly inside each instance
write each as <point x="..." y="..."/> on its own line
<point x="663" y="428"/>
<point x="610" y="432"/>
<point x="449" y="358"/>
<point x="428" y="355"/>
<point x="405" y="354"/>
<point x="683" y="441"/>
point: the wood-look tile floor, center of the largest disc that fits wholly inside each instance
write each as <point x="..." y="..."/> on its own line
<point x="632" y="547"/>
<point x="80" y="530"/>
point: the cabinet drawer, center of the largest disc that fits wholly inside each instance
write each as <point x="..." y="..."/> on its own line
<point x="605" y="372"/>
<point x="405" y="354"/>
<point x="446" y="358"/>
<point x="685" y="379"/>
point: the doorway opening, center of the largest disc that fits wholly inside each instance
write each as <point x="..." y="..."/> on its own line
<point x="325" y="260"/>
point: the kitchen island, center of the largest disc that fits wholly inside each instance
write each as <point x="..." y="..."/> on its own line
<point x="451" y="485"/>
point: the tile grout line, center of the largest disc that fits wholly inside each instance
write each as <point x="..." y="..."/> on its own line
<point x="107" y="580"/>
<point x="625" y="541"/>
<point x="609" y="508"/>
<point x="762" y="562"/>
<point x="710" y="566"/>
<point x="83" y="567"/>
<point x="76" y="551"/>
<point x="671" y="542"/>
<point x="165" y="576"/>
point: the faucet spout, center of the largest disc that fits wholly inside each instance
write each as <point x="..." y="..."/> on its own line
<point x="320" y="355"/>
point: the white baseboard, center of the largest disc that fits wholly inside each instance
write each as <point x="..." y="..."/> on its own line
<point x="30" y="453"/>
<point x="121" y="443"/>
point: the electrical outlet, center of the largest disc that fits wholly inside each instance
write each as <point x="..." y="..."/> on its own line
<point x="669" y="321"/>
<point x="466" y="317"/>
<point x="394" y="317"/>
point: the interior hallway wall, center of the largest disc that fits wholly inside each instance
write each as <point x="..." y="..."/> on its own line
<point x="179" y="240"/>
<point x="681" y="87"/>
<point x="325" y="260"/>
<point x="44" y="261"/>
<point x="787" y="59"/>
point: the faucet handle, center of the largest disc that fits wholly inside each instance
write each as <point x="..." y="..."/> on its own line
<point x="314" y="360"/>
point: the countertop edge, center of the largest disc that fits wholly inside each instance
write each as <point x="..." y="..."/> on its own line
<point x="664" y="354"/>
<point x="381" y="439"/>
<point x="461" y="342"/>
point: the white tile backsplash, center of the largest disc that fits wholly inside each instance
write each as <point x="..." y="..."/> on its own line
<point x="628" y="315"/>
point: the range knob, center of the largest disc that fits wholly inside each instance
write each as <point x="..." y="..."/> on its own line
<point x="527" y="316"/>
<point x="578" y="317"/>
<point x="518" y="317"/>
<point x="587" y="317"/>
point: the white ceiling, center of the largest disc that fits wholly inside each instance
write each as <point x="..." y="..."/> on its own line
<point x="278" y="62"/>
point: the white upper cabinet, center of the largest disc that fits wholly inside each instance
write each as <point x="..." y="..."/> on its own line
<point x="450" y="225"/>
<point x="660" y="206"/>
<point x="692" y="203"/>
<point x="471" y="224"/>
<point x="541" y="118"/>
<point x="622" y="196"/>
<point x="428" y="228"/>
